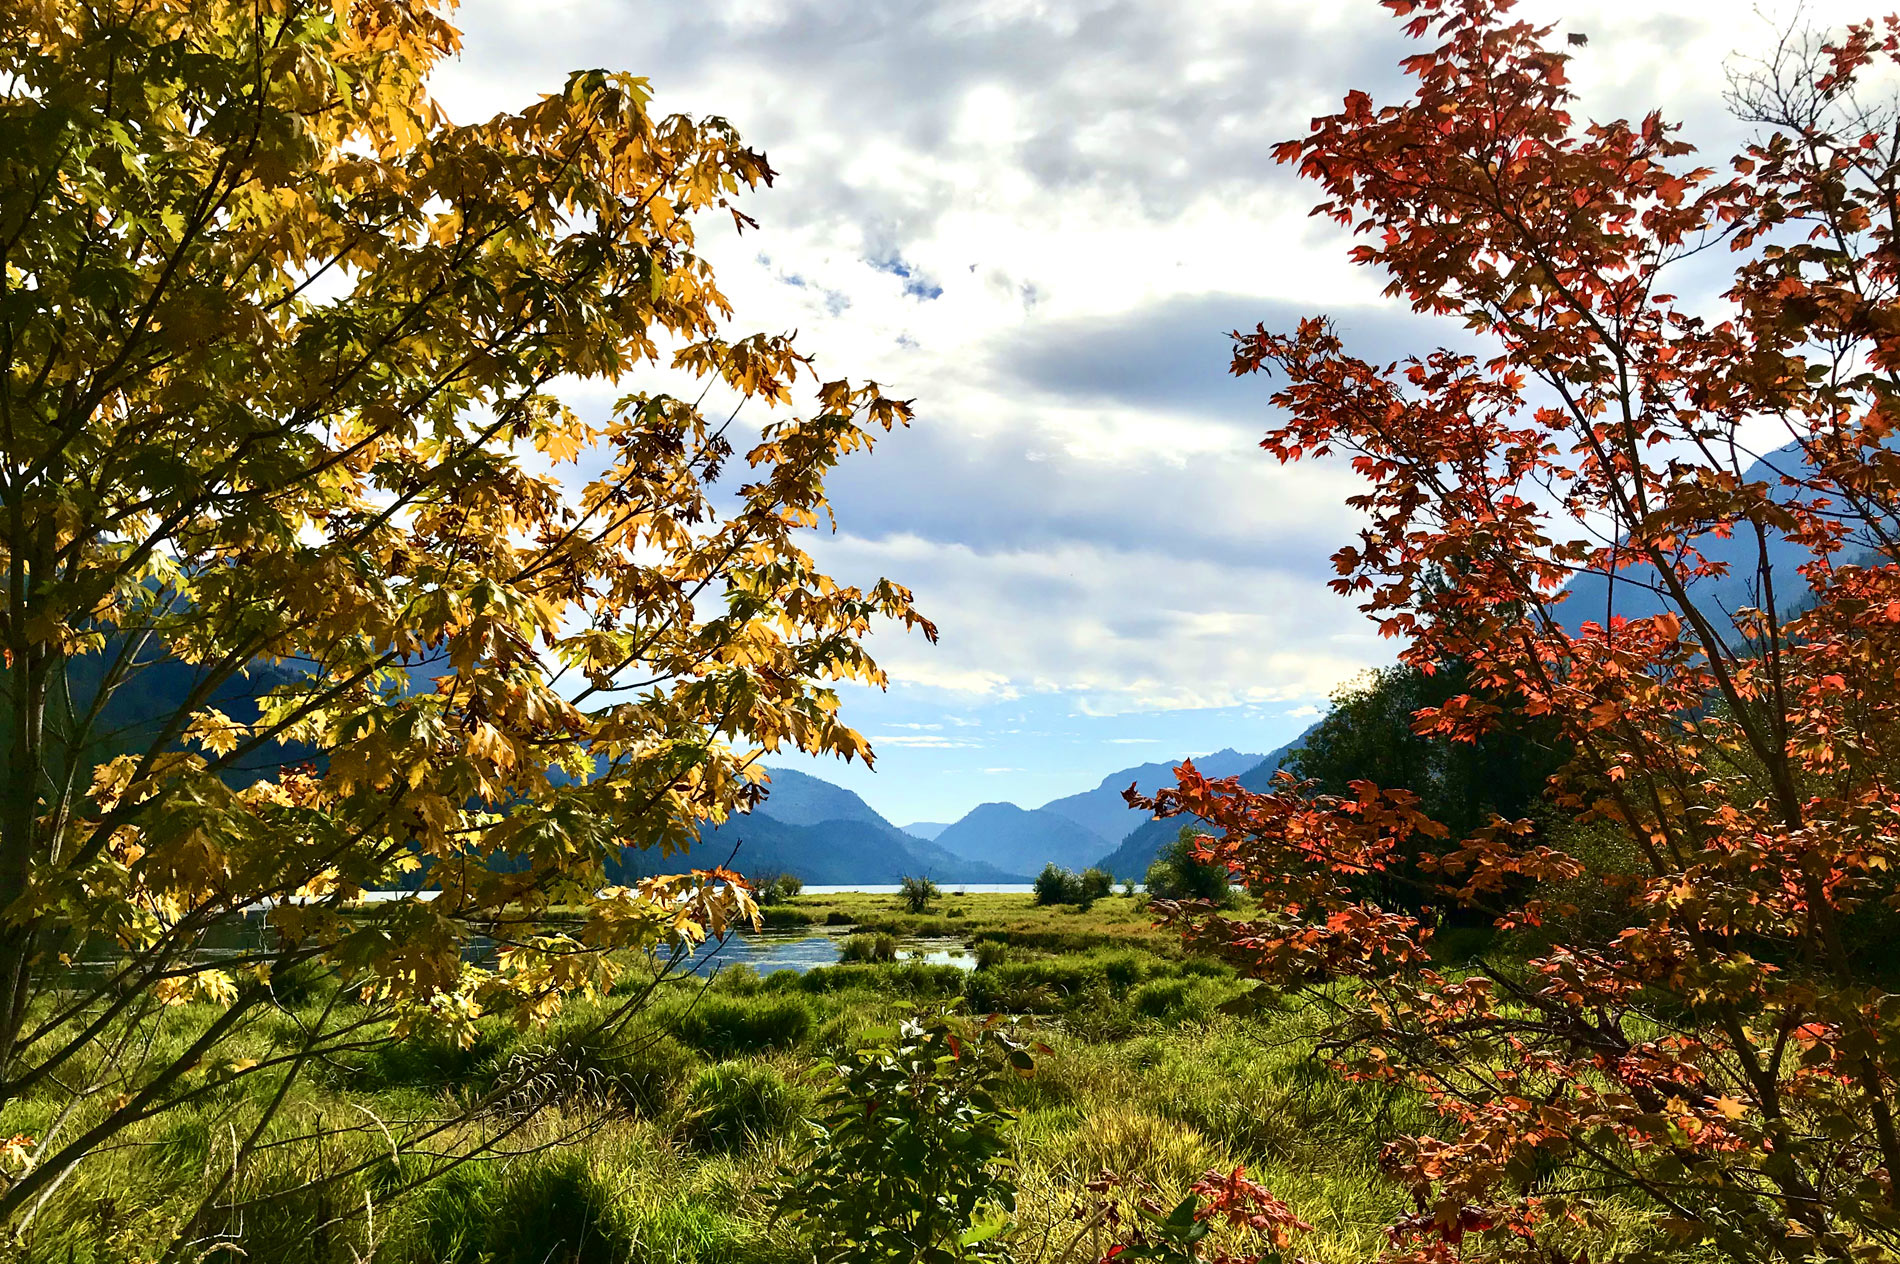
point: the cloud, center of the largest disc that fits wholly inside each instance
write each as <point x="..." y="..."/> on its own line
<point x="1174" y="354"/>
<point x="1116" y="631"/>
<point x="923" y="741"/>
<point x="1040" y="222"/>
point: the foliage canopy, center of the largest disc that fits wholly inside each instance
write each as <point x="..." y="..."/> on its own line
<point x="1720" y="1061"/>
<point x="285" y="422"/>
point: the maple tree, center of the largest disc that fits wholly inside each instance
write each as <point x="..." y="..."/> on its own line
<point x="1715" y="1068"/>
<point x="283" y="425"/>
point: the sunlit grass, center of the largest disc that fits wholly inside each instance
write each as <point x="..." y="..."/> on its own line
<point x="663" y="1140"/>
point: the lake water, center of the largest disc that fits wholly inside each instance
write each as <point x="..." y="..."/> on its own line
<point x="772" y="951"/>
<point x="766" y="952"/>
<point x="948" y="888"/>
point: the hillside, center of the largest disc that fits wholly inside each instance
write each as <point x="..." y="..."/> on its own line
<point x="1138" y="850"/>
<point x="1104" y="811"/>
<point x="824" y="833"/>
<point x="1022" y="840"/>
<point x="1634" y="595"/>
<point x="839" y="852"/>
<point x="798" y="798"/>
<point x="925" y="829"/>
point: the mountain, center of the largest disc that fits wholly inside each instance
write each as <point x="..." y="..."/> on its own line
<point x="825" y="833"/>
<point x="798" y="798"/>
<point x="926" y="829"/>
<point x="837" y="852"/>
<point x="1103" y="810"/>
<point x="1635" y="595"/>
<point x="1139" y="849"/>
<point x="1022" y="840"/>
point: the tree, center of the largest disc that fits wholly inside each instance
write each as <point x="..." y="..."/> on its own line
<point x="1056" y="885"/>
<point x="1720" y="1061"/>
<point x="283" y="425"/>
<point x="1185" y="870"/>
<point x="1367" y="736"/>
<point x="909" y="1161"/>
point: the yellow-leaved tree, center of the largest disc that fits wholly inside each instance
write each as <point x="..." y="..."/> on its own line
<point x="315" y="587"/>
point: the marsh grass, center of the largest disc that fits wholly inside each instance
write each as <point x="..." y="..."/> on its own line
<point x="659" y="1139"/>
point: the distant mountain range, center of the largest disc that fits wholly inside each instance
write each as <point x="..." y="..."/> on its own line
<point x="1104" y="811"/>
<point x="824" y="833"/>
<point x="1138" y="850"/>
<point x="1024" y="839"/>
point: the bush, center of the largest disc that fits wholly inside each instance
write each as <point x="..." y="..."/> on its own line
<point x="910" y="1162"/>
<point x="917" y="893"/>
<point x="734" y="1105"/>
<point x="640" y="1070"/>
<point x="780" y="887"/>
<point x="917" y="979"/>
<point x="724" y="1026"/>
<point x="990" y="953"/>
<point x="428" y="1061"/>
<point x="867" y="948"/>
<point x="1056" y="885"/>
<point x="556" y="1211"/>
<point x="1178" y="874"/>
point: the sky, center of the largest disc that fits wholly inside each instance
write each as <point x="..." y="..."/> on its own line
<point x="1039" y="220"/>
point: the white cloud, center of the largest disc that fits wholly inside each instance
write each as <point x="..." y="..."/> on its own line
<point x="924" y="742"/>
<point x="1039" y="221"/>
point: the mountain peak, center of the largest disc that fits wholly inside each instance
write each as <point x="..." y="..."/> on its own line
<point x="1022" y="839"/>
<point x="1104" y="811"/>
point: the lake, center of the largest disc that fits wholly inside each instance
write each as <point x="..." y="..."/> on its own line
<point x="766" y="952"/>
<point x="771" y="951"/>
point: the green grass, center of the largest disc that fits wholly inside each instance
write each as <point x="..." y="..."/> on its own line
<point x="660" y="1141"/>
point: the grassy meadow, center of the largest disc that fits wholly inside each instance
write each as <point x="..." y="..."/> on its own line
<point x="669" y="1133"/>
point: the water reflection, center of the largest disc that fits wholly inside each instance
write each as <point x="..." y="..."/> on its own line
<point x="771" y="952"/>
<point x="241" y="938"/>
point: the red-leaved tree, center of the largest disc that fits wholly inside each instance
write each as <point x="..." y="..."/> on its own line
<point x="1671" y="528"/>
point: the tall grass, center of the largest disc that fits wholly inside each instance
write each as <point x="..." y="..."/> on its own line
<point x="658" y="1140"/>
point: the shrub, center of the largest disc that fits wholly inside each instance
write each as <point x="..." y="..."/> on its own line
<point x="429" y="1061"/>
<point x="990" y="953"/>
<point x="1056" y="885"/>
<point x="776" y="888"/>
<point x="917" y="893"/>
<point x="910" y="1160"/>
<point x="556" y="1211"/>
<point x="867" y="948"/>
<point x="1179" y="874"/>
<point x="723" y="1026"/>
<point x="640" y="1070"/>
<point x="917" y="979"/>
<point x="734" y="1105"/>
